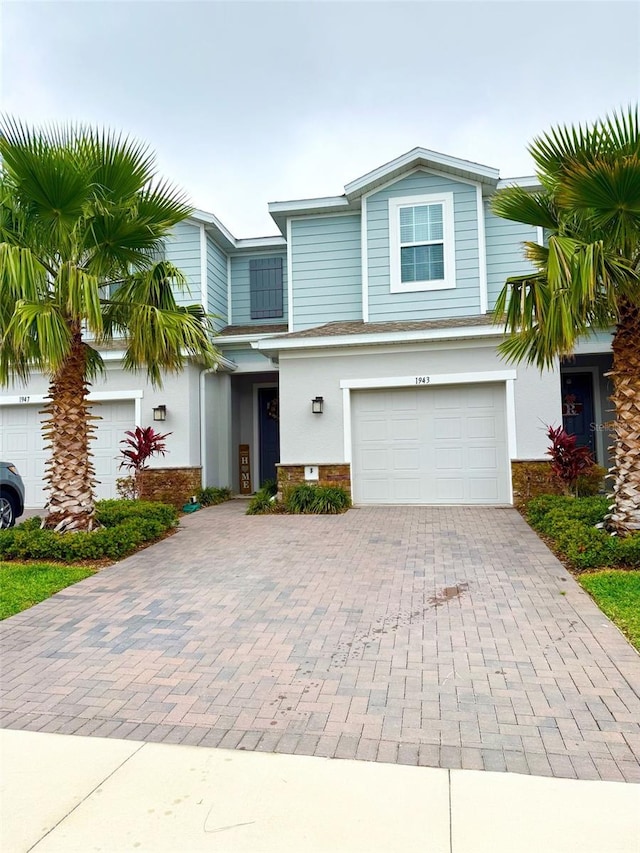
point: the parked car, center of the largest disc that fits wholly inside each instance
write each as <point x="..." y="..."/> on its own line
<point x="11" y="495"/>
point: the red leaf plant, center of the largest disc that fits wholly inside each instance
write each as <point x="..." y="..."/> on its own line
<point x="568" y="460"/>
<point x="142" y="444"/>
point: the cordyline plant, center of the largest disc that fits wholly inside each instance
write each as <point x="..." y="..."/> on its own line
<point x="568" y="460"/>
<point x="587" y="275"/>
<point x="83" y="217"/>
<point x="141" y="444"/>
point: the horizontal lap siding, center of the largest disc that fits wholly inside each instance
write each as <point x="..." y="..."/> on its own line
<point x="241" y="291"/>
<point x="327" y="270"/>
<point x="462" y="301"/>
<point x="217" y="283"/>
<point x="505" y="252"/>
<point x="183" y="250"/>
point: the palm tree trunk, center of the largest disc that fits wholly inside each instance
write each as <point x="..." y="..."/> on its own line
<point x="625" y="375"/>
<point x="69" y="429"/>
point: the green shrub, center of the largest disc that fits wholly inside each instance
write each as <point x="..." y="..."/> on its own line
<point x="126" y="526"/>
<point x="300" y="499"/>
<point x="321" y="500"/>
<point x="570" y="523"/>
<point x="264" y="500"/>
<point x="592" y="482"/>
<point x="110" y="513"/>
<point x="212" y="495"/>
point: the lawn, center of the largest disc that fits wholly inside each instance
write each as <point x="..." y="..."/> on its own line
<point x="618" y="595"/>
<point x="24" y="584"/>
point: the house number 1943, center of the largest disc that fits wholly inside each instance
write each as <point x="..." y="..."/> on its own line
<point x="423" y="380"/>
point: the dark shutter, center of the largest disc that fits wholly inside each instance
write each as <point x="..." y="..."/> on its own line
<point x="265" y="282"/>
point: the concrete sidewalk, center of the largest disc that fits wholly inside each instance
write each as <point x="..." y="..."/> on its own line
<point x="68" y="793"/>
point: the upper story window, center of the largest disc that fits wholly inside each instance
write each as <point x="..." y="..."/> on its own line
<point x="265" y="283"/>
<point x="421" y="236"/>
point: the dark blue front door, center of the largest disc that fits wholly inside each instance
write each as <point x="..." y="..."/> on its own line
<point x="577" y="408"/>
<point x="269" y="432"/>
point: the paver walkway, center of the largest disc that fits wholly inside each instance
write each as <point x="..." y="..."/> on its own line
<point x="447" y="637"/>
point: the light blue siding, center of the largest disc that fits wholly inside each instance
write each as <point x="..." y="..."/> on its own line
<point x="183" y="250"/>
<point x="462" y="301"/>
<point x="505" y="252"/>
<point x="327" y="270"/>
<point x="217" y="301"/>
<point x="241" y="292"/>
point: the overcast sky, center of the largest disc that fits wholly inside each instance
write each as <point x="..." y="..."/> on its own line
<point x="251" y="102"/>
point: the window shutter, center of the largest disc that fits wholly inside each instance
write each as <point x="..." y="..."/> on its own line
<point x="265" y="283"/>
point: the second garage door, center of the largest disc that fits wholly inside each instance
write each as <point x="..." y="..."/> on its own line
<point x="21" y="442"/>
<point x="438" y="445"/>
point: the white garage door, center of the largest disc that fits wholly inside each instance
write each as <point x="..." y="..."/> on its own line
<point x="439" y="445"/>
<point x="21" y="442"/>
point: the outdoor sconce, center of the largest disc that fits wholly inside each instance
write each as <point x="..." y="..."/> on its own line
<point x="159" y="413"/>
<point x="316" y="405"/>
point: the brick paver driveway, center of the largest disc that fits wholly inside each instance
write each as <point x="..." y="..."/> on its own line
<point x="440" y="636"/>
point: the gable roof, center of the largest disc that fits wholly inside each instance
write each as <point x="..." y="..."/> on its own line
<point x="417" y="158"/>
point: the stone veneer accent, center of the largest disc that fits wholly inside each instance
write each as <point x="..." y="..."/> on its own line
<point x="532" y="478"/>
<point x="334" y="474"/>
<point x="170" y="485"/>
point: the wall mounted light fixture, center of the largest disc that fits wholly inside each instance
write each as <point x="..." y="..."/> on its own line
<point x="159" y="413"/>
<point x="316" y="405"/>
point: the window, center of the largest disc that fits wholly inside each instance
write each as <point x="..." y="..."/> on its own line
<point x="265" y="283"/>
<point x="422" y="252"/>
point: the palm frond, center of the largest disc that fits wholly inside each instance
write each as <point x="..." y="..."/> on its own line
<point x="519" y="205"/>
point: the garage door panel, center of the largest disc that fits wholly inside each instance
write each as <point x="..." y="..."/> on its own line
<point x="21" y="442"/>
<point x="374" y="430"/>
<point x="455" y="447"/>
<point x="406" y="459"/>
<point x="404" y="429"/>
<point x="480" y="397"/>
<point x="482" y="457"/>
<point x="481" y="428"/>
<point x="405" y="489"/>
<point x="374" y="460"/>
<point x="483" y="489"/>
<point x="449" y="489"/>
<point x="446" y="398"/>
<point x="447" y="427"/>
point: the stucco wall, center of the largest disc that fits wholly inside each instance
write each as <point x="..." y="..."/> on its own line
<point x="309" y="438"/>
<point x="179" y="394"/>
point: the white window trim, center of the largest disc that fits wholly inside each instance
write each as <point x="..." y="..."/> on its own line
<point x="447" y="283"/>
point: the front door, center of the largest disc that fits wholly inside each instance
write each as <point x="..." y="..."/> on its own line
<point x="577" y="408"/>
<point x="269" y="433"/>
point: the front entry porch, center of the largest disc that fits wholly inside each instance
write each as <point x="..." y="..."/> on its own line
<point x="586" y="408"/>
<point x="242" y="441"/>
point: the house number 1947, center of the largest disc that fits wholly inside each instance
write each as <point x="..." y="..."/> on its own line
<point x="423" y="380"/>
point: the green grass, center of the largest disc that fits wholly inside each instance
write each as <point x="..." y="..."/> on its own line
<point x="618" y="595"/>
<point x="24" y="584"/>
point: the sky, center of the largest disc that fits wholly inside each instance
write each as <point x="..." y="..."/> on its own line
<point x="251" y="102"/>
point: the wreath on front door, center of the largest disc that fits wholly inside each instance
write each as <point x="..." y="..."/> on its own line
<point x="273" y="410"/>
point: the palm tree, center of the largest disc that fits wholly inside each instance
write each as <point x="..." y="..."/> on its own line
<point x="587" y="277"/>
<point x="82" y="222"/>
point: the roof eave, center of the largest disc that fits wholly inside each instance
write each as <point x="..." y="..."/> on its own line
<point x="428" y="159"/>
<point x="281" y="343"/>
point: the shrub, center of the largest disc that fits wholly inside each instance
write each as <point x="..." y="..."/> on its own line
<point x="591" y="482"/>
<point x="321" y="500"/>
<point x="211" y="496"/>
<point x="126" y="526"/>
<point x="264" y="500"/>
<point x="570" y="523"/>
<point x="110" y="513"/>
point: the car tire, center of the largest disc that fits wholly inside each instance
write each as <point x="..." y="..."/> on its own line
<point x="8" y="511"/>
